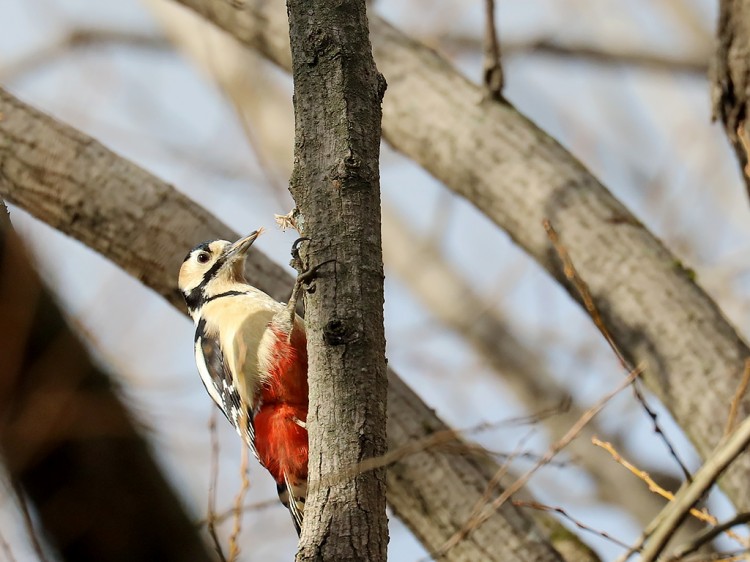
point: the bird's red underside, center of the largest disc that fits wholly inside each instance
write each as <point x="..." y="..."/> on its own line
<point x="280" y="441"/>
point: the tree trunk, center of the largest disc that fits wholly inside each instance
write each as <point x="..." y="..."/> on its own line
<point x="336" y="185"/>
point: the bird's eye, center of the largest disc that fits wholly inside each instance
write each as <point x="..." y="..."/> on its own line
<point x="203" y="257"/>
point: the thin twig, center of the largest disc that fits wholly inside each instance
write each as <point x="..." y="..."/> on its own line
<point x="556" y="447"/>
<point x="566" y="515"/>
<point x="580" y="285"/>
<point x="211" y="518"/>
<point x="738" y="395"/>
<point x="664" y="525"/>
<point x="80" y="39"/>
<point x="745" y="142"/>
<point x="495" y="481"/>
<point x="708" y="535"/>
<point x="734" y="556"/>
<point x="607" y="56"/>
<point x="219" y="518"/>
<point x="493" y="70"/>
<point x="432" y="441"/>
<point x="234" y="549"/>
<point x="700" y="514"/>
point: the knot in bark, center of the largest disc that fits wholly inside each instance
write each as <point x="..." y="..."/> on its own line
<point x="338" y="332"/>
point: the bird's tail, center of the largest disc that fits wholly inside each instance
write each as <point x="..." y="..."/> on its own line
<point x="292" y="495"/>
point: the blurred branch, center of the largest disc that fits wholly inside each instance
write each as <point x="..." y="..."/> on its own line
<point x="493" y="69"/>
<point x="730" y="78"/>
<point x="73" y="183"/>
<point x="708" y="535"/>
<point x="517" y="175"/>
<point x="435" y="283"/>
<point x="661" y="531"/>
<point x="79" y="39"/>
<point x="489" y="507"/>
<point x="67" y="440"/>
<point x="608" y="55"/>
<point x="454" y="302"/>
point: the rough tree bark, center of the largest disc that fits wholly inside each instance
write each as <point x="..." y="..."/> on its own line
<point x="730" y="78"/>
<point x="336" y="186"/>
<point x="518" y="176"/>
<point x="255" y="96"/>
<point x="69" y="443"/>
<point x="73" y="183"/>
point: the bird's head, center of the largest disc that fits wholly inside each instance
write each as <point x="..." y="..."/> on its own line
<point x="212" y="268"/>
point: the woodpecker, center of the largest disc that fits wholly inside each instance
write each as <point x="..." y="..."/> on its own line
<point x="251" y="354"/>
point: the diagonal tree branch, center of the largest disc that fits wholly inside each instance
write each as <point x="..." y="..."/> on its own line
<point x="518" y="176"/>
<point x="68" y="442"/>
<point x="70" y="181"/>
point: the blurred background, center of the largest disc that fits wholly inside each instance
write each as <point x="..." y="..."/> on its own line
<point x="622" y="85"/>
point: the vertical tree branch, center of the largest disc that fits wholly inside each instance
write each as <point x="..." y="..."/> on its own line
<point x="494" y="80"/>
<point x="337" y="96"/>
<point x="730" y="77"/>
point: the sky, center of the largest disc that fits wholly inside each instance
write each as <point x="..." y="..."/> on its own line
<point x="646" y="133"/>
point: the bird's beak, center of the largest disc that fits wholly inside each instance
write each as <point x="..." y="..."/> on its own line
<point x="239" y="249"/>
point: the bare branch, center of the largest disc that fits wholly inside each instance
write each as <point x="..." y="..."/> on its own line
<point x="79" y="39"/>
<point x="454" y="302"/>
<point x="478" y="519"/>
<point x="432" y="491"/>
<point x="737" y="400"/>
<point x="708" y="535"/>
<point x="662" y="528"/>
<point x="576" y="522"/>
<point x="493" y="70"/>
<point x="572" y="275"/>
<point x="730" y="77"/>
<point x="518" y="176"/>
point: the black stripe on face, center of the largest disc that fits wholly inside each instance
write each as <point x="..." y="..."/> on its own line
<point x="196" y="296"/>
<point x="211" y="273"/>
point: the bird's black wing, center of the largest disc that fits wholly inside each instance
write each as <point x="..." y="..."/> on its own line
<point x="220" y="384"/>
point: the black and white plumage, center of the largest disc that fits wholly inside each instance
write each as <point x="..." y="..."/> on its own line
<point x="220" y="383"/>
<point x="250" y="351"/>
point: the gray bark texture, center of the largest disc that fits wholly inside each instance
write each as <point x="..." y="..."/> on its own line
<point x="70" y="181"/>
<point x="336" y="186"/>
<point x="417" y="262"/>
<point x="68" y="442"/>
<point x="730" y="78"/>
<point x="518" y="176"/>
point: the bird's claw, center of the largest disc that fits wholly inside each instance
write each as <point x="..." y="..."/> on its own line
<point x="296" y="262"/>
<point x="297" y="243"/>
<point x="306" y="277"/>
